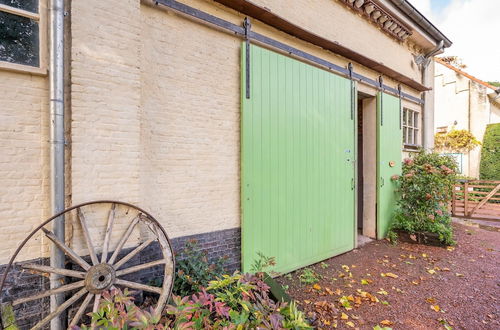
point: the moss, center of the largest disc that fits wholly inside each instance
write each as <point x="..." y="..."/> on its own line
<point x="490" y="154"/>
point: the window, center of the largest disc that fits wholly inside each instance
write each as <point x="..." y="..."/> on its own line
<point x="20" y="34"/>
<point x="411" y="127"/>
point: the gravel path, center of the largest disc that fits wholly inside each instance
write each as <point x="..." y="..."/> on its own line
<point x="407" y="286"/>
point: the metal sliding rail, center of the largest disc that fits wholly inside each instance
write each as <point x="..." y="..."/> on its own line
<point x="258" y="38"/>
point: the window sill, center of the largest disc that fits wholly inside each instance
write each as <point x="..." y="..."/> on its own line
<point x="412" y="147"/>
<point x="13" y="67"/>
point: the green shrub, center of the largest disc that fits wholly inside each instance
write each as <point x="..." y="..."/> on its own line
<point x="490" y="154"/>
<point x="233" y="302"/>
<point x="194" y="271"/>
<point x="425" y="188"/>
<point x="309" y="276"/>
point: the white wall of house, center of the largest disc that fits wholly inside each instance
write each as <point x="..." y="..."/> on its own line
<point x="465" y="104"/>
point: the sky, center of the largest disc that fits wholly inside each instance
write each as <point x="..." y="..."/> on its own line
<point x="474" y="28"/>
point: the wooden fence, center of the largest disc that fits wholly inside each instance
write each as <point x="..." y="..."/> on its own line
<point x="478" y="199"/>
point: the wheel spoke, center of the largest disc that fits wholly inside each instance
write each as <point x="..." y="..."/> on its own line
<point x="86" y="234"/>
<point x="109" y="228"/>
<point x="82" y="309"/>
<point x="95" y="308"/>
<point x="64" y="288"/>
<point x="138" y="286"/>
<point x="52" y="270"/>
<point x="76" y="258"/>
<point x="60" y="309"/>
<point x="133" y="253"/>
<point x="124" y="239"/>
<point x="141" y="267"/>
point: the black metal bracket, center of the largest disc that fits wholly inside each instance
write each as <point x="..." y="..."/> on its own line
<point x="353" y="96"/>
<point x="381" y="87"/>
<point x="248" y="26"/>
<point x="400" y="107"/>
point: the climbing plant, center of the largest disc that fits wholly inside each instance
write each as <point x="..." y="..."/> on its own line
<point x="456" y="140"/>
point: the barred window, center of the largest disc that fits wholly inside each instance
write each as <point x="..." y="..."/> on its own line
<point x="411" y="128"/>
<point x="20" y="32"/>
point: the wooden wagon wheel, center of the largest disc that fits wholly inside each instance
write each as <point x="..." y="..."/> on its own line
<point x="106" y="263"/>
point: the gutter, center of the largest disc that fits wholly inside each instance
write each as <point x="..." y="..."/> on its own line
<point x="57" y="175"/>
<point x="421" y="21"/>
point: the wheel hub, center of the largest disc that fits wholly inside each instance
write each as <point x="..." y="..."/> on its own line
<point x="99" y="278"/>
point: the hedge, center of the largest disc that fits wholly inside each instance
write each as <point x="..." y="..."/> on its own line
<point x="490" y="154"/>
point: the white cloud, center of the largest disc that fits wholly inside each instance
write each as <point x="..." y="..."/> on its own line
<point x="473" y="27"/>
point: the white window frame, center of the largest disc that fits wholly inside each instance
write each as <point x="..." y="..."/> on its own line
<point x="411" y="131"/>
<point x="41" y="18"/>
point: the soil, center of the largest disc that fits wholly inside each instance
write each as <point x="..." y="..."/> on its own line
<point x="407" y="286"/>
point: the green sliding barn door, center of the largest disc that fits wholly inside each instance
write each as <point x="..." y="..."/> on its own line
<point x="389" y="143"/>
<point x="297" y="162"/>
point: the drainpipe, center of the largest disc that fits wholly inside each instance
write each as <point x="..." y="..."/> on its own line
<point x="56" y="73"/>
<point x="428" y="109"/>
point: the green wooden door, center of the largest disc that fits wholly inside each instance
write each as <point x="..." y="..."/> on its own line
<point x="389" y="143"/>
<point x="297" y="162"/>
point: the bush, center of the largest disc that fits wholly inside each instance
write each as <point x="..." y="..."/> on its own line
<point x="460" y="140"/>
<point x="425" y="188"/>
<point x="233" y="302"/>
<point x="194" y="271"/>
<point x="490" y="154"/>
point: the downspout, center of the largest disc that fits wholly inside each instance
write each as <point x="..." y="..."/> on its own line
<point x="57" y="194"/>
<point x="428" y="97"/>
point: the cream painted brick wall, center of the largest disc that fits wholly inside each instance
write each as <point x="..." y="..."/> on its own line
<point x="105" y="100"/>
<point x="24" y="172"/>
<point x="190" y="124"/>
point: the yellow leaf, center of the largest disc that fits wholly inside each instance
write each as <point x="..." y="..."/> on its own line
<point x="316" y="287"/>
<point x="414" y="282"/>
<point x="450" y="248"/>
<point x="351" y="324"/>
<point x="330" y="292"/>
<point x="339" y="292"/>
<point x="345" y="267"/>
<point x="445" y="269"/>
<point x="386" y="322"/>
<point x="391" y="275"/>
<point x="424" y="255"/>
<point x="431" y="300"/>
<point x="459" y="275"/>
<point x="365" y="282"/>
<point x="344" y="316"/>
<point x="382" y="291"/>
<point x="307" y="302"/>
<point x="412" y="256"/>
<point x="431" y="271"/>
<point x="435" y="308"/>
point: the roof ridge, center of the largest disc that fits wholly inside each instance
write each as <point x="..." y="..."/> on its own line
<point x="471" y="77"/>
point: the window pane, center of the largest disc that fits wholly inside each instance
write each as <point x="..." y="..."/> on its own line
<point x="405" y="116"/>
<point x="28" y="5"/>
<point x="404" y="135"/>
<point x="415" y="119"/>
<point x="410" y="118"/>
<point x="19" y="40"/>
<point x="410" y="136"/>
<point x="415" y="136"/>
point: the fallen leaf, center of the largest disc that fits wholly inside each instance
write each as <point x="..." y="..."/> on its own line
<point x="330" y="292"/>
<point x="338" y="292"/>
<point x="459" y="275"/>
<point x="411" y="256"/>
<point x="351" y="324"/>
<point x="345" y="267"/>
<point x="386" y="303"/>
<point x="450" y="248"/>
<point x="435" y="308"/>
<point x="431" y="271"/>
<point x="415" y="282"/>
<point x="431" y="300"/>
<point x="392" y="275"/>
<point x="383" y="292"/>
<point x="316" y="287"/>
<point x="386" y="322"/>
<point x="354" y="317"/>
<point x="445" y="269"/>
<point x="365" y="282"/>
<point x="344" y="316"/>
<point x="424" y="255"/>
<point x="307" y="302"/>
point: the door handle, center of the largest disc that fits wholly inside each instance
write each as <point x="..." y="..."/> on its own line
<point x="352" y="184"/>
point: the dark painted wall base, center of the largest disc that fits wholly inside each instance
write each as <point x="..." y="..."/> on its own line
<point x="21" y="283"/>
